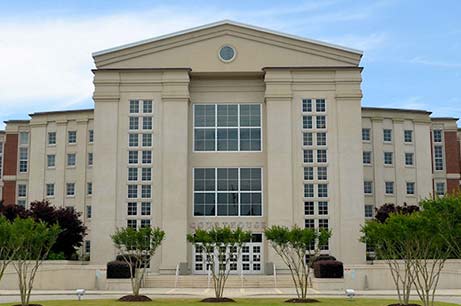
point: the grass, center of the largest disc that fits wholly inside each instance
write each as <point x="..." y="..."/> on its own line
<point x="240" y="302"/>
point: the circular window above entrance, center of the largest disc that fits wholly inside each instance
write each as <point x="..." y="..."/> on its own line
<point x="227" y="53"/>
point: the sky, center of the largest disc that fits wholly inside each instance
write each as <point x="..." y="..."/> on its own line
<point x="412" y="49"/>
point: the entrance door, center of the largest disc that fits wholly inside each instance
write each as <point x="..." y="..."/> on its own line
<point x="250" y="260"/>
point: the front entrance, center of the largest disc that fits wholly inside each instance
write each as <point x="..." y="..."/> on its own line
<point x="250" y="260"/>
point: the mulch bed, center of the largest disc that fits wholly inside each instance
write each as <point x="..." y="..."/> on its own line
<point x="218" y="300"/>
<point x="296" y="301"/>
<point x="398" y="304"/>
<point x="134" y="298"/>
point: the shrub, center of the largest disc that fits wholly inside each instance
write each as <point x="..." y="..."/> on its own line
<point x="328" y="269"/>
<point x="118" y="269"/>
<point x="323" y="257"/>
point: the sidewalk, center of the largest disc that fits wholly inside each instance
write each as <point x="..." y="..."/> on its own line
<point x="243" y="292"/>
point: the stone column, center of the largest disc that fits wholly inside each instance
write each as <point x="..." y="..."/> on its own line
<point x="278" y="172"/>
<point x="175" y="164"/>
<point x="105" y="185"/>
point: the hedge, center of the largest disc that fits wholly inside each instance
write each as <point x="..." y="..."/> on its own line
<point x="118" y="269"/>
<point x="328" y="269"/>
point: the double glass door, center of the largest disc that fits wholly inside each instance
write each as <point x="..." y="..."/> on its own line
<point x="249" y="261"/>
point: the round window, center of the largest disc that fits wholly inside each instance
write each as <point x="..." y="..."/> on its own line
<point x="227" y="53"/>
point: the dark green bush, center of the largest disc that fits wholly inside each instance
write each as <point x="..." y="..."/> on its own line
<point x="328" y="269"/>
<point x="118" y="269"/>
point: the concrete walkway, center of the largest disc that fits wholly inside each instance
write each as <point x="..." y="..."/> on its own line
<point x="453" y="296"/>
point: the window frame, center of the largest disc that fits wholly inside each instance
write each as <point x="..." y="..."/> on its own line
<point x="238" y="191"/>
<point x="238" y="128"/>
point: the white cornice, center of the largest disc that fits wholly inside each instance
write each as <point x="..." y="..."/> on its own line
<point x="219" y="23"/>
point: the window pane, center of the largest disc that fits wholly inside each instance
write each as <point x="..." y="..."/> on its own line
<point x="204" y="140"/>
<point x="250" y="115"/>
<point x="250" y="139"/>
<point x="227" y="140"/>
<point x="227" y="115"/>
<point x="204" y="115"/>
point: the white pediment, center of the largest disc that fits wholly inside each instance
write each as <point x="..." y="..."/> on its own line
<point x="198" y="49"/>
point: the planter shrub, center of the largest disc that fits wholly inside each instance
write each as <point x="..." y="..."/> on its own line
<point x="328" y="269"/>
<point x="118" y="270"/>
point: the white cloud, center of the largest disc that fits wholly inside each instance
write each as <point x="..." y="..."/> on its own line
<point x="46" y="61"/>
<point x="435" y="63"/>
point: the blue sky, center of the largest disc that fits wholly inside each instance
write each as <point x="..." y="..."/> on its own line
<point x="412" y="49"/>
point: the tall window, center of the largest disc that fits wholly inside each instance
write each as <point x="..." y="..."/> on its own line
<point x="388" y="158"/>
<point x="23" y="138"/>
<point x="409" y="160"/>
<point x="440" y="188"/>
<point x="366" y="134"/>
<point x="438" y="135"/>
<point x="408" y="136"/>
<point x="366" y="157"/>
<point x="90" y="159"/>
<point x="70" y="189"/>
<point x="387" y="135"/>
<point x="90" y="136"/>
<point x="50" y="190"/>
<point x="227" y="192"/>
<point x="71" y="160"/>
<point x="23" y="159"/>
<point x="72" y="137"/>
<point x="51" y="138"/>
<point x="51" y="160"/>
<point x="410" y="188"/>
<point x="389" y="187"/>
<point x="368" y="187"/>
<point x="438" y="157"/>
<point x="1" y="159"/>
<point x="227" y="127"/>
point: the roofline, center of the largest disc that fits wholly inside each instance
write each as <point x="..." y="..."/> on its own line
<point x="406" y="110"/>
<point x="62" y="111"/>
<point x="143" y="69"/>
<point x="218" y="23"/>
<point x="312" y="68"/>
<point x="16" y="121"/>
<point x="444" y="118"/>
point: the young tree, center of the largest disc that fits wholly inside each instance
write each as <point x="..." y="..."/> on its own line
<point x="432" y="251"/>
<point x="7" y="249"/>
<point x="393" y="242"/>
<point x="298" y="248"/>
<point x="224" y="244"/>
<point x="136" y="247"/>
<point x="446" y="213"/>
<point x="32" y="242"/>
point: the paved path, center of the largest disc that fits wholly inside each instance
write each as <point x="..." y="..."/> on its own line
<point x="453" y="296"/>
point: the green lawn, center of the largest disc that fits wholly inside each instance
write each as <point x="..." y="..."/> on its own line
<point x="242" y="302"/>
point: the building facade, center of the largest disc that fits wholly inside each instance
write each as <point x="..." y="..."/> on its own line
<point x="232" y="125"/>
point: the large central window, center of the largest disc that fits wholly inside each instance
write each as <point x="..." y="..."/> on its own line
<point x="227" y="127"/>
<point x="227" y="192"/>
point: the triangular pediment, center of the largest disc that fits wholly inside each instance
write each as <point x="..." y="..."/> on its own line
<point x="198" y="49"/>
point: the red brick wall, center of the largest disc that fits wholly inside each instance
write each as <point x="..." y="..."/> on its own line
<point x="9" y="192"/>
<point x="10" y="154"/>
<point x="10" y="164"/>
<point x="452" y="152"/>
<point x="452" y="185"/>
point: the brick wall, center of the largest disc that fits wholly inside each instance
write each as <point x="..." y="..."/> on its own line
<point x="452" y="152"/>
<point x="9" y="192"/>
<point x="10" y="164"/>
<point x="10" y="154"/>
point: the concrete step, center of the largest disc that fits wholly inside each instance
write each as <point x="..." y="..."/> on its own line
<point x="201" y="281"/>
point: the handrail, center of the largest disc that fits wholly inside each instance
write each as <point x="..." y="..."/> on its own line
<point x="176" y="277"/>
<point x="275" y="275"/>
